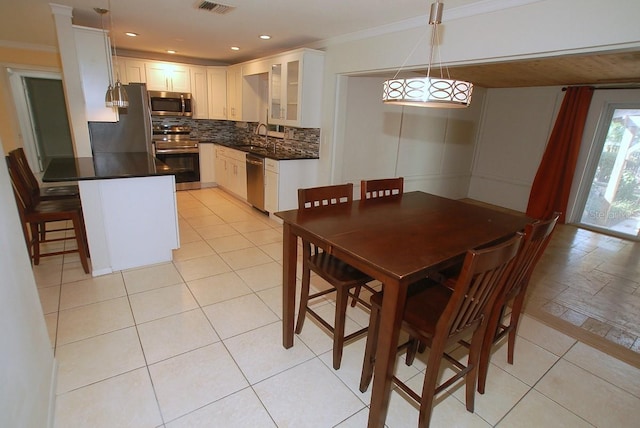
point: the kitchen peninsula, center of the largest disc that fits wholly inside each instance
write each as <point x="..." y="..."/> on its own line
<point x="129" y="206"/>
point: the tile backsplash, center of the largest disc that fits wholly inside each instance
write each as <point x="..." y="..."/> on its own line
<point x="303" y="140"/>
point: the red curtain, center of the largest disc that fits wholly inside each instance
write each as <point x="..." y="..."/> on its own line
<point x="551" y="187"/>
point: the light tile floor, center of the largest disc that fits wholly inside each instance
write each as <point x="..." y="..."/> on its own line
<point x="197" y="343"/>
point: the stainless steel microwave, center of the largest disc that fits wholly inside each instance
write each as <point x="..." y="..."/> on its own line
<point x="170" y="103"/>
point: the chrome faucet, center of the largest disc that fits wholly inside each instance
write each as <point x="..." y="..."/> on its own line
<point x="266" y="135"/>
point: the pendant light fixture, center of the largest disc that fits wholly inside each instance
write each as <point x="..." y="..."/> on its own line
<point x="116" y="96"/>
<point x="442" y="92"/>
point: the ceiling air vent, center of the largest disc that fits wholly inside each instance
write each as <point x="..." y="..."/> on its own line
<point x="218" y="8"/>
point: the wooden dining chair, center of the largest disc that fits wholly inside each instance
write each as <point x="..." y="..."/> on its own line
<point x="35" y="214"/>
<point x="438" y="316"/>
<point x="345" y="280"/>
<point x="370" y="189"/>
<point x="536" y="237"/>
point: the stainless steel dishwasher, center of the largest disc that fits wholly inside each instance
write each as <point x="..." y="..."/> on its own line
<point x="255" y="181"/>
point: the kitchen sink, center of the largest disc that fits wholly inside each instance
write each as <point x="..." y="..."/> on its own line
<point x="254" y="149"/>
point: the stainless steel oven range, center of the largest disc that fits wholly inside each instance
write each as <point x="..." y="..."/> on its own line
<point x="174" y="146"/>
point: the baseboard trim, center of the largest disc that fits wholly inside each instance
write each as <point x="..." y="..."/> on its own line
<point x="51" y="417"/>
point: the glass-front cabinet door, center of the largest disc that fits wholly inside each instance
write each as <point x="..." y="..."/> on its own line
<point x="284" y="92"/>
<point x="295" y="89"/>
<point x="275" y="91"/>
<point x="293" y="77"/>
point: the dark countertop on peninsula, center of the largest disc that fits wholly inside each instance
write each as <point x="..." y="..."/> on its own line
<point x="279" y="154"/>
<point x="104" y="166"/>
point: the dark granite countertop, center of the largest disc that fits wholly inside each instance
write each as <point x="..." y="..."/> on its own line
<point x="104" y="166"/>
<point x="279" y="154"/>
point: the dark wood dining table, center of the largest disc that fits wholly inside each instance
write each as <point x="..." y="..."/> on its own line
<point x="396" y="240"/>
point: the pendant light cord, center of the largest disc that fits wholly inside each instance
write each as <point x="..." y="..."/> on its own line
<point x="107" y="48"/>
<point x="113" y="35"/>
<point x="410" y="54"/>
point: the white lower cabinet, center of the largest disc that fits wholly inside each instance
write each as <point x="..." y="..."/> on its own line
<point x="207" y="164"/>
<point x="271" y="183"/>
<point x="231" y="170"/>
<point x="284" y="178"/>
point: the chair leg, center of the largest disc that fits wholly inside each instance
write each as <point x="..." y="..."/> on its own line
<point x="43" y="231"/>
<point x="342" y="298"/>
<point x="35" y="242"/>
<point x="487" y="345"/>
<point x="81" y="242"/>
<point x="429" y="386"/>
<point x="304" y="298"/>
<point x="370" y="349"/>
<point x="516" y="310"/>
<point x="356" y="294"/>
<point x="412" y="349"/>
<point x="471" y="376"/>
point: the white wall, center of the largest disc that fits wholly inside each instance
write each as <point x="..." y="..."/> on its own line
<point x="516" y="124"/>
<point x="431" y="149"/>
<point x="26" y="358"/>
<point x="538" y="29"/>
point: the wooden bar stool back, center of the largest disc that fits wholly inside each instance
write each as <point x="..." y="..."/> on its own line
<point x="35" y="214"/>
<point x="342" y="277"/>
<point x="19" y="160"/>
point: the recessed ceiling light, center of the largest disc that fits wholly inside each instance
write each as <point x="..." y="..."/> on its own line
<point x="235" y="48"/>
<point x="265" y="36"/>
<point x="171" y="51"/>
<point x="130" y="34"/>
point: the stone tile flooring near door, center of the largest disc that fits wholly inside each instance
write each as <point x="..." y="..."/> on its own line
<point x="197" y="343"/>
<point x="589" y="284"/>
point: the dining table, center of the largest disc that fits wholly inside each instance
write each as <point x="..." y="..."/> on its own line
<point x="396" y="240"/>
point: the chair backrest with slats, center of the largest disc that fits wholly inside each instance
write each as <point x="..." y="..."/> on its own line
<point x="380" y="188"/>
<point x="478" y="285"/>
<point x="536" y="238"/>
<point x="18" y="161"/>
<point x="316" y="197"/>
<point x="23" y="191"/>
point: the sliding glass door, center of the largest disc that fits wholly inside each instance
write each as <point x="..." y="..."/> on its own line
<point x="612" y="203"/>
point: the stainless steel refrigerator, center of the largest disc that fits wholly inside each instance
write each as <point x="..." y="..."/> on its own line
<point x="132" y="133"/>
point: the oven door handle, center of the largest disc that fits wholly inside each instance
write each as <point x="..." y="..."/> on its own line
<point x="183" y="104"/>
<point x="176" y="151"/>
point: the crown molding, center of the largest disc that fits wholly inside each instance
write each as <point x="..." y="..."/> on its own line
<point x="473" y="9"/>
<point x="28" y="46"/>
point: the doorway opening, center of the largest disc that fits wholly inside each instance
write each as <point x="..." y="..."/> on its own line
<point x="42" y="113"/>
<point x="612" y="203"/>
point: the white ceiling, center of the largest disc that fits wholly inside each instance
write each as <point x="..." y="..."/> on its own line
<point x="195" y="33"/>
<point x="205" y="37"/>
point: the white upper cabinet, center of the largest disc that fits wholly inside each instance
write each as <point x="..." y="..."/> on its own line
<point x="166" y="76"/>
<point x="92" y="47"/>
<point x="295" y="89"/>
<point x="217" y="93"/>
<point x="199" y="92"/>
<point x="234" y="92"/>
<point x="131" y="70"/>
